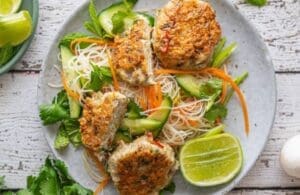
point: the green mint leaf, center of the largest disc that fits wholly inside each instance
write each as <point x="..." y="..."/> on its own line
<point x="257" y="2"/>
<point x="62" y="139"/>
<point x="6" y="53"/>
<point x="94" y="25"/>
<point x="216" y="111"/>
<point x="67" y="39"/>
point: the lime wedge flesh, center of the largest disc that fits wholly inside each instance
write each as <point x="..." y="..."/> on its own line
<point x="15" y="28"/>
<point x="9" y="6"/>
<point x="211" y="160"/>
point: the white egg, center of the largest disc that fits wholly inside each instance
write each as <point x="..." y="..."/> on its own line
<point x="290" y="156"/>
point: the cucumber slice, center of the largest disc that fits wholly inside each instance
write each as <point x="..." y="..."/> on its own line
<point x="105" y="17"/>
<point x="140" y="126"/>
<point x="154" y="122"/>
<point x="190" y="84"/>
<point x="148" y="18"/>
<point x="162" y="114"/>
<point x="74" y="105"/>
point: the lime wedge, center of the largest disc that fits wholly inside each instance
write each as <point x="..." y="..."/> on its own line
<point x="15" y="28"/>
<point x="9" y="7"/>
<point x="211" y="160"/>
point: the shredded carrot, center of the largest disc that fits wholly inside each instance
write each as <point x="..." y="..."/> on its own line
<point x="222" y="75"/>
<point x="87" y="40"/>
<point x="102" y="171"/>
<point x="113" y="73"/>
<point x="154" y="96"/>
<point x="101" y="186"/>
<point x="142" y="99"/>
<point x="193" y="123"/>
<point x="224" y="92"/>
<point x="69" y="91"/>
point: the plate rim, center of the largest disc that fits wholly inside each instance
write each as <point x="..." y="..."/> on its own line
<point x="268" y="57"/>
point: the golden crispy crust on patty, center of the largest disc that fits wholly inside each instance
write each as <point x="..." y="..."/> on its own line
<point x="100" y="119"/>
<point x="142" y="167"/>
<point x="132" y="55"/>
<point x="185" y="33"/>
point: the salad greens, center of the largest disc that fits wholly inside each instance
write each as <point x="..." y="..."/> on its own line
<point x="100" y="76"/>
<point x="94" y="25"/>
<point x="216" y="111"/>
<point x="53" y="179"/>
<point x="68" y="38"/>
<point x="58" y="111"/>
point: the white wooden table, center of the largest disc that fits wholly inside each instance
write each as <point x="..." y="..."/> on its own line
<point x="23" y="147"/>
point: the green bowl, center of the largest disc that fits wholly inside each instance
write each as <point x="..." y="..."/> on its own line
<point x="33" y="7"/>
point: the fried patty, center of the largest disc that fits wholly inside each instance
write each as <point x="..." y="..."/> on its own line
<point x="185" y="34"/>
<point x="102" y="115"/>
<point x="142" y="167"/>
<point x="132" y="55"/>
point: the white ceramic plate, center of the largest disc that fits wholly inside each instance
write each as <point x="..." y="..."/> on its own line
<point x="259" y="88"/>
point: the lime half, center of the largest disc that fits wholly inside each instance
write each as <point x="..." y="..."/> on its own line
<point x="9" y="6"/>
<point x="211" y="161"/>
<point x="15" y="28"/>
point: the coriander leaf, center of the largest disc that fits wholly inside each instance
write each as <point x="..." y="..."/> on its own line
<point x="210" y="88"/>
<point x="76" y="189"/>
<point x="118" y="22"/>
<point x="257" y="2"/>
<point x="169" y="188"/>
<point x="51" y="114"/>
<point x="133" y="110"/>
<point x="62" y="139"/>
<point x="100" y="76"/>
<point x="62" y="172"/>
<point x="61" y="99"/>
<point x="57" y="111"/>
<point x="67" y="39"/>
<point x="50" y="184"/>
<point x="72" y="127"/>
<point x="6" y="53"/>
<point x="216" y="111"/>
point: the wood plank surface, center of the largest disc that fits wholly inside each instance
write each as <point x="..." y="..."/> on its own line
<point x="23" y="146"/>
<point x="277" y="23"/>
